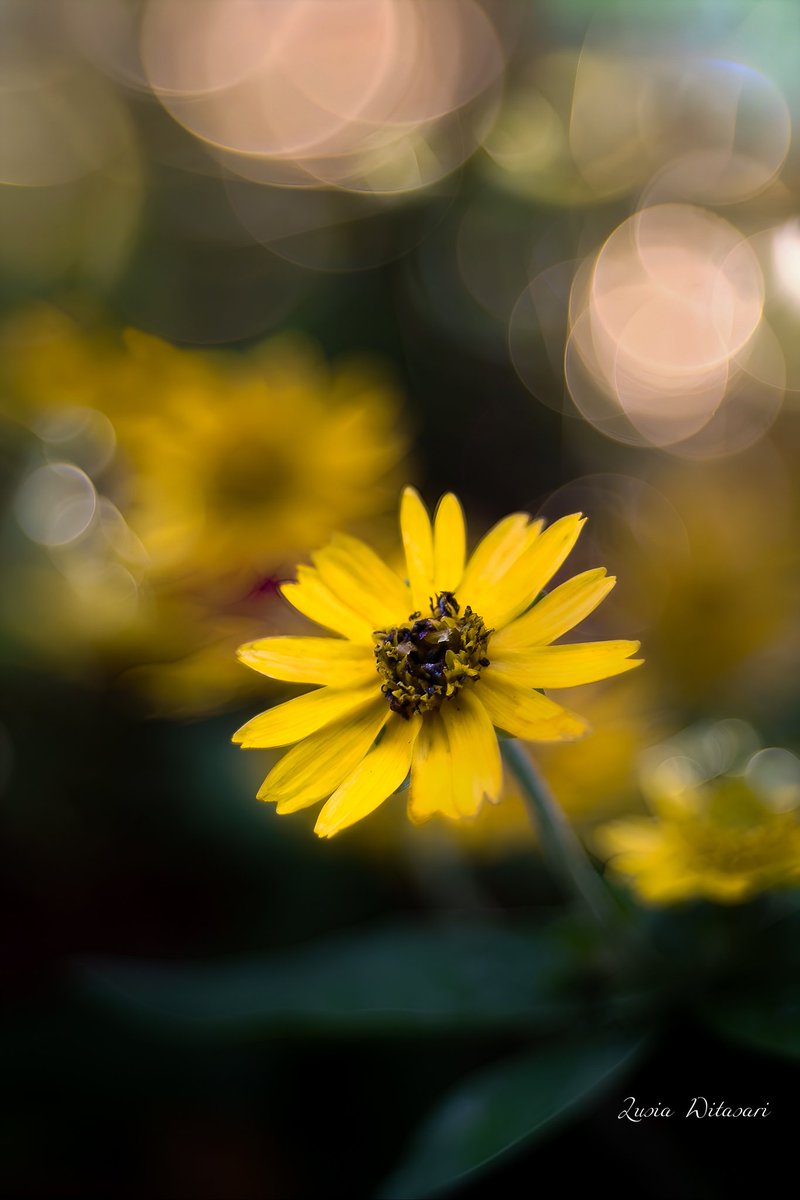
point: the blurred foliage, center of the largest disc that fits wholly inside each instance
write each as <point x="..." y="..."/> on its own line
<point x="497" y="1110"/>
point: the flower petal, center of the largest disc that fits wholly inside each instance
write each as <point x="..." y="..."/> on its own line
<point x="475" y="754"/>
<point x="296" y="719"/>
<point x="565" y="666"/>
<point x="363" y="581"/>
<point x="521" y="584"/>
<point x="316" y="766"/>
<point x="415" y="527"/>
<point x="557" y="612"/>
<point x="375" y="778"/>
<point x="431" y="788"/>
<point x="635" y="835"/>
<point x="315" y="600"/>
<point x="310" y="660"/>
<point x="449" y="544"/>
<point x="527" y="714"/>
<point x="493" y="555"/>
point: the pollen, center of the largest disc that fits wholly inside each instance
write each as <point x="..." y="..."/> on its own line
<point x="428" y="660"/>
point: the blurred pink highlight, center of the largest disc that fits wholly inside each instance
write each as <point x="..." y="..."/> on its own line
<point x="674" y="296"/>
<point x="317" y="89"/>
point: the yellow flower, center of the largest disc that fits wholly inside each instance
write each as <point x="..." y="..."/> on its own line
<point x="426" y="669"/>
<point x="241" y="461"/>
<point x="722" y="839"/>
<point x="204" y="476"/>
<point x="591" y="787"/>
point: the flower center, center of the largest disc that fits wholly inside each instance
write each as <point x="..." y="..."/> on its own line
<point x="735" y="847"/>
<point x="431" y="658"/>
<point x="248" y="477"/>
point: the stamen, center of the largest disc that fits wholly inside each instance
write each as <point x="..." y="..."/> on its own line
<point x="431" y="658"/>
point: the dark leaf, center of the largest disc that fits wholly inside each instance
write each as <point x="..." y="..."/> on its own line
<point x="400" y="978"/>
<point x="770" y="1022"/>
<point x="506" y="1106"/>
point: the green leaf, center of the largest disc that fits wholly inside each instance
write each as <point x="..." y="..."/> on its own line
<point x="770" y="1023"/>
<point x="761" y="1008"/>
<point x="431" y="977"/>
<point x="505" y="1107"/>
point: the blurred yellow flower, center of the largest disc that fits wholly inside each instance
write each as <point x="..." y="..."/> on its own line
<point x="724" y="838"/>
<point x="425" y="670"/>
<point x="719" y="597"/>
<point x="246" y="460"/>
<point x="172" y="489"/>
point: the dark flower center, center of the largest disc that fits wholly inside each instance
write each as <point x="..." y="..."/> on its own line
<point x="430" y="659"/>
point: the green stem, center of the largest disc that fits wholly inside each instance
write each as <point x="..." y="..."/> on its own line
<point x="558" y="840"/>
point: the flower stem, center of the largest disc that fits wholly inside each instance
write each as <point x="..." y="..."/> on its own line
<point x="559" y="841"/>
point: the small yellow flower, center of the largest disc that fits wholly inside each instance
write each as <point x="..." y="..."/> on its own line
<point x="426" y="669"/>
<point x="724" y="839"/>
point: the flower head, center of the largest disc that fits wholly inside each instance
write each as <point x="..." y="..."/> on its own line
<point x="722" y="836"/>
<point x="202" y="475"/>
<point x="426" y="669"/>
<point x="242" y="462"/>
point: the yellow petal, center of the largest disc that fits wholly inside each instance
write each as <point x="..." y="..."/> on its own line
<point x="557" y="612"/>
<point x="363" y="581"/>
<point x="522" y="582"/>
<point x="375" y="778"/>
<point x="415" y="527"/>
<point x="449" y="544"/>
<point x="316" y="766"/>
<point x="527" y="714"/>
<point x="311" y="597"/>
<point x="296" y="719"/>
<point x="475" y="754"/>
<point x="431" y="788"/>
<point x="310" y="660"/>
<point x="493" y="555"/>
<point x="565" y="666"/>
<point x="637" y="835"/>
